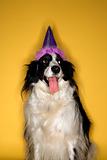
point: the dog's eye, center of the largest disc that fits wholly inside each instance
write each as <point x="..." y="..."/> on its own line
<point x="59" y="62"/>
<point x="45" y="61"/>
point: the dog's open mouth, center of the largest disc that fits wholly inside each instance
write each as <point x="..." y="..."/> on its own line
<point x="53" y="84"/>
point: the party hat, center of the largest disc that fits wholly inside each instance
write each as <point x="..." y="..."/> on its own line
<point x="49" y="46"/>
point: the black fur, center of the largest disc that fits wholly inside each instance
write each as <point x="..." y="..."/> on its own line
<point x="85" y="120"/>
<point x="35" y="71"/>
<point x="31" y="76"/>
<point x="68" y="70"/>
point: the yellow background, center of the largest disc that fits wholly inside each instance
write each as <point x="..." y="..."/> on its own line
<point x="80" y="28"/>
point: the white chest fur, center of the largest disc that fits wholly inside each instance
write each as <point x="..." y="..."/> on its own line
<point x="53" y="120"/>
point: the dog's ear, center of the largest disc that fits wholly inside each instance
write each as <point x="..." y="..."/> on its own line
<point x="31" y="75"/>
<point x="68" y="70"/>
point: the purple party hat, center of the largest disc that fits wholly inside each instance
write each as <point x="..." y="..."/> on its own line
<point x="49" y="40"/>
<point x="49" y="46"/>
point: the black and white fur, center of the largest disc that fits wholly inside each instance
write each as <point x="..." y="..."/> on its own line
<point x="56" y="125"/>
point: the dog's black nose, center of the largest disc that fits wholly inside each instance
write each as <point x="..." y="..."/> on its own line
<point x="55" y="69"/>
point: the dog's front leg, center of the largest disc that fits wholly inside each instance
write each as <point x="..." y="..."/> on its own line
<point x="72" y="149"/>
<point x="37" y="152"/>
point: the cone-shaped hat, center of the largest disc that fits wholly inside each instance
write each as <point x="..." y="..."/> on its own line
<point x="49" y="40"/>
<point x="49" y="46"/>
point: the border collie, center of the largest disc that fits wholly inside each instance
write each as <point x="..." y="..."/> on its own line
<point x="56" y="125"/>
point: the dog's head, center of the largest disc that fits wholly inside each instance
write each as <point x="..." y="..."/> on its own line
<point x="49" y="69"/>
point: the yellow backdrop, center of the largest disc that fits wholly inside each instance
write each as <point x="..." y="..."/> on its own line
<point x="80" y="28"/>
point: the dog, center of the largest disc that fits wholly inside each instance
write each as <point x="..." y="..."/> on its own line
<point x="56" y="125"/>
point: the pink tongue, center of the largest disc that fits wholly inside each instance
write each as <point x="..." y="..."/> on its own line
<point x="53" y="85"/>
